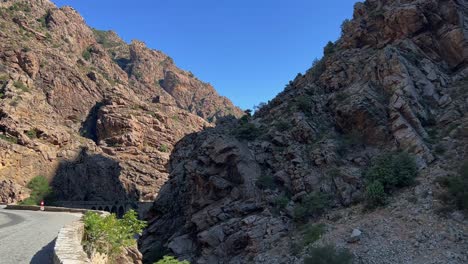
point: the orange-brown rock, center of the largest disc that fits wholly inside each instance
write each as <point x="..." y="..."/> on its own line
<point x="85" y="109"/>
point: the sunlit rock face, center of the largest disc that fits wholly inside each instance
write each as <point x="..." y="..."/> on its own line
<point x="87" y="110"/>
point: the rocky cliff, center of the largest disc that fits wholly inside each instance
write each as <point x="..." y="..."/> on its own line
<point x="396" y="81"/>
<point x="94" y="114"/>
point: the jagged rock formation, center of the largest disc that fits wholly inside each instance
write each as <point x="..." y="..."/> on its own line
<point x="92" y="113"/>
<point x="395" y="80"/>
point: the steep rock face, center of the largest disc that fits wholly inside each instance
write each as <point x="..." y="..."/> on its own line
<point x="86" y="110"/>
<point x="396" y="80"/>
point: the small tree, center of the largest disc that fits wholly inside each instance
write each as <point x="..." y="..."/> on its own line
<point x="108" y="235"/>
<point x="375" y="194"/>
<point x="329" y="48"/>
<point x="171" y="260"/>
<point x="312" y="205"/>
<point x="40" y="189"/>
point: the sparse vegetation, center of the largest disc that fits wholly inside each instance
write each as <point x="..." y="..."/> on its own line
<point x="137" y="74"/>
<point x="87" y="54"/>
<point x="281" y="202"/>
<point x="246" y="130"/>
<point x="318" y="67"/>
<point x="312" y="205"/>
<point x="171" y="260"/>
<point x="304" y="104"/>
<point x="345" y="25"/>
<point x="393" y="170"/>
<point x="457" y="189"/>
<point x="3" y="78"/>
<point x="40" y="190"/>
<point x="259" y="106"/>
<point x="375" y="194"/>
<point x="328" y="255"/>
<point x="20" y="6"/>
<point x="102" y="37"/>
<point x="388" y="172"/>
<point x="32" y="133"/>
<point x="175" y="118"/>
<point x="313" y="233"/>
<point x="43" y="20"/>
<point x="329" y="49"/>
<point x="163" y="148"/>
<point x="9" y="138"/>
<point x="21" y="86"/>
<point x="108" y="235"/>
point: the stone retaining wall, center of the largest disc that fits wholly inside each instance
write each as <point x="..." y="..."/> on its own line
<point x="46" y="208"/>
<point x="68" y="248"/>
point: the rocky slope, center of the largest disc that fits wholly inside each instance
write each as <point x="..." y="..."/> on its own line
<point x="95" y="115"/>
<point x="397" y="80"/>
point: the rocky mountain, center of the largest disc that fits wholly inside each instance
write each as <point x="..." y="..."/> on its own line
<point x="250" y="190"/>
<point x="95" y="115"/>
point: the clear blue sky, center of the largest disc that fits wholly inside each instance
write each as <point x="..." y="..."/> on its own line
<point x="247" y="49"/>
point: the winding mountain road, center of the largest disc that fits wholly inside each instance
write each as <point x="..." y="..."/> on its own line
<point x="29" y="236"/>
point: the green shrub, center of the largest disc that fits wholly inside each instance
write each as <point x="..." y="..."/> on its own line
<point x="40" y="190"/>
<point x="388" y="172"/>
<point x="247" y="131"/>
<point x="171" y="260"/>
<point x="10" y="139"/>
<point x="32" y="133"/>
<point x="102" y="37"/>
<point x="164" y="148"/>
<point x="312" y="205"/>
<point x="345" y="25"/>
<point x="457" y="189"/>
<point x="43" y="21"/>
<point x="328" y="255"/>
<point x="265" y="182"/>
<point x="393" y="170"/>
<point x="318" y="67"/>
<point x="20" y="6"/>
<point x="108" y="235"/>
<point x="281" y="202"/>
<point x="329" y="48"/>
<point x="304" y="104"/>
<point x="313" y="233"/>
<point x="375" y="194"/>
<point x="20" y="85"/>
<point x="4" y="78"/>
<point x="87" y="54"/>
<point x="137" y="75"/>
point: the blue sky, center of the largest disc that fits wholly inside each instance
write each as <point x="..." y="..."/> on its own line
<point x="247" y="49"/>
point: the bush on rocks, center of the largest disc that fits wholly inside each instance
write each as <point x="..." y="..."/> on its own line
<point x="171" y="260"/>
<point x="40" y="190"/>
<point x="393" y="170"/>
<point x="312" y="205"/>
<point x="388" y="172"/>
<point x="328" y="255"/>
<point x="108" y="235"/>
<point x="457" y="189"/>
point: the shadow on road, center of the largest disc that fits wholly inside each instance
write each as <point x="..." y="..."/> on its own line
<point x="45" y="255"/>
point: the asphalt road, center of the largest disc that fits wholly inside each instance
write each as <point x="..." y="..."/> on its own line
<point x="28" y="236"/>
